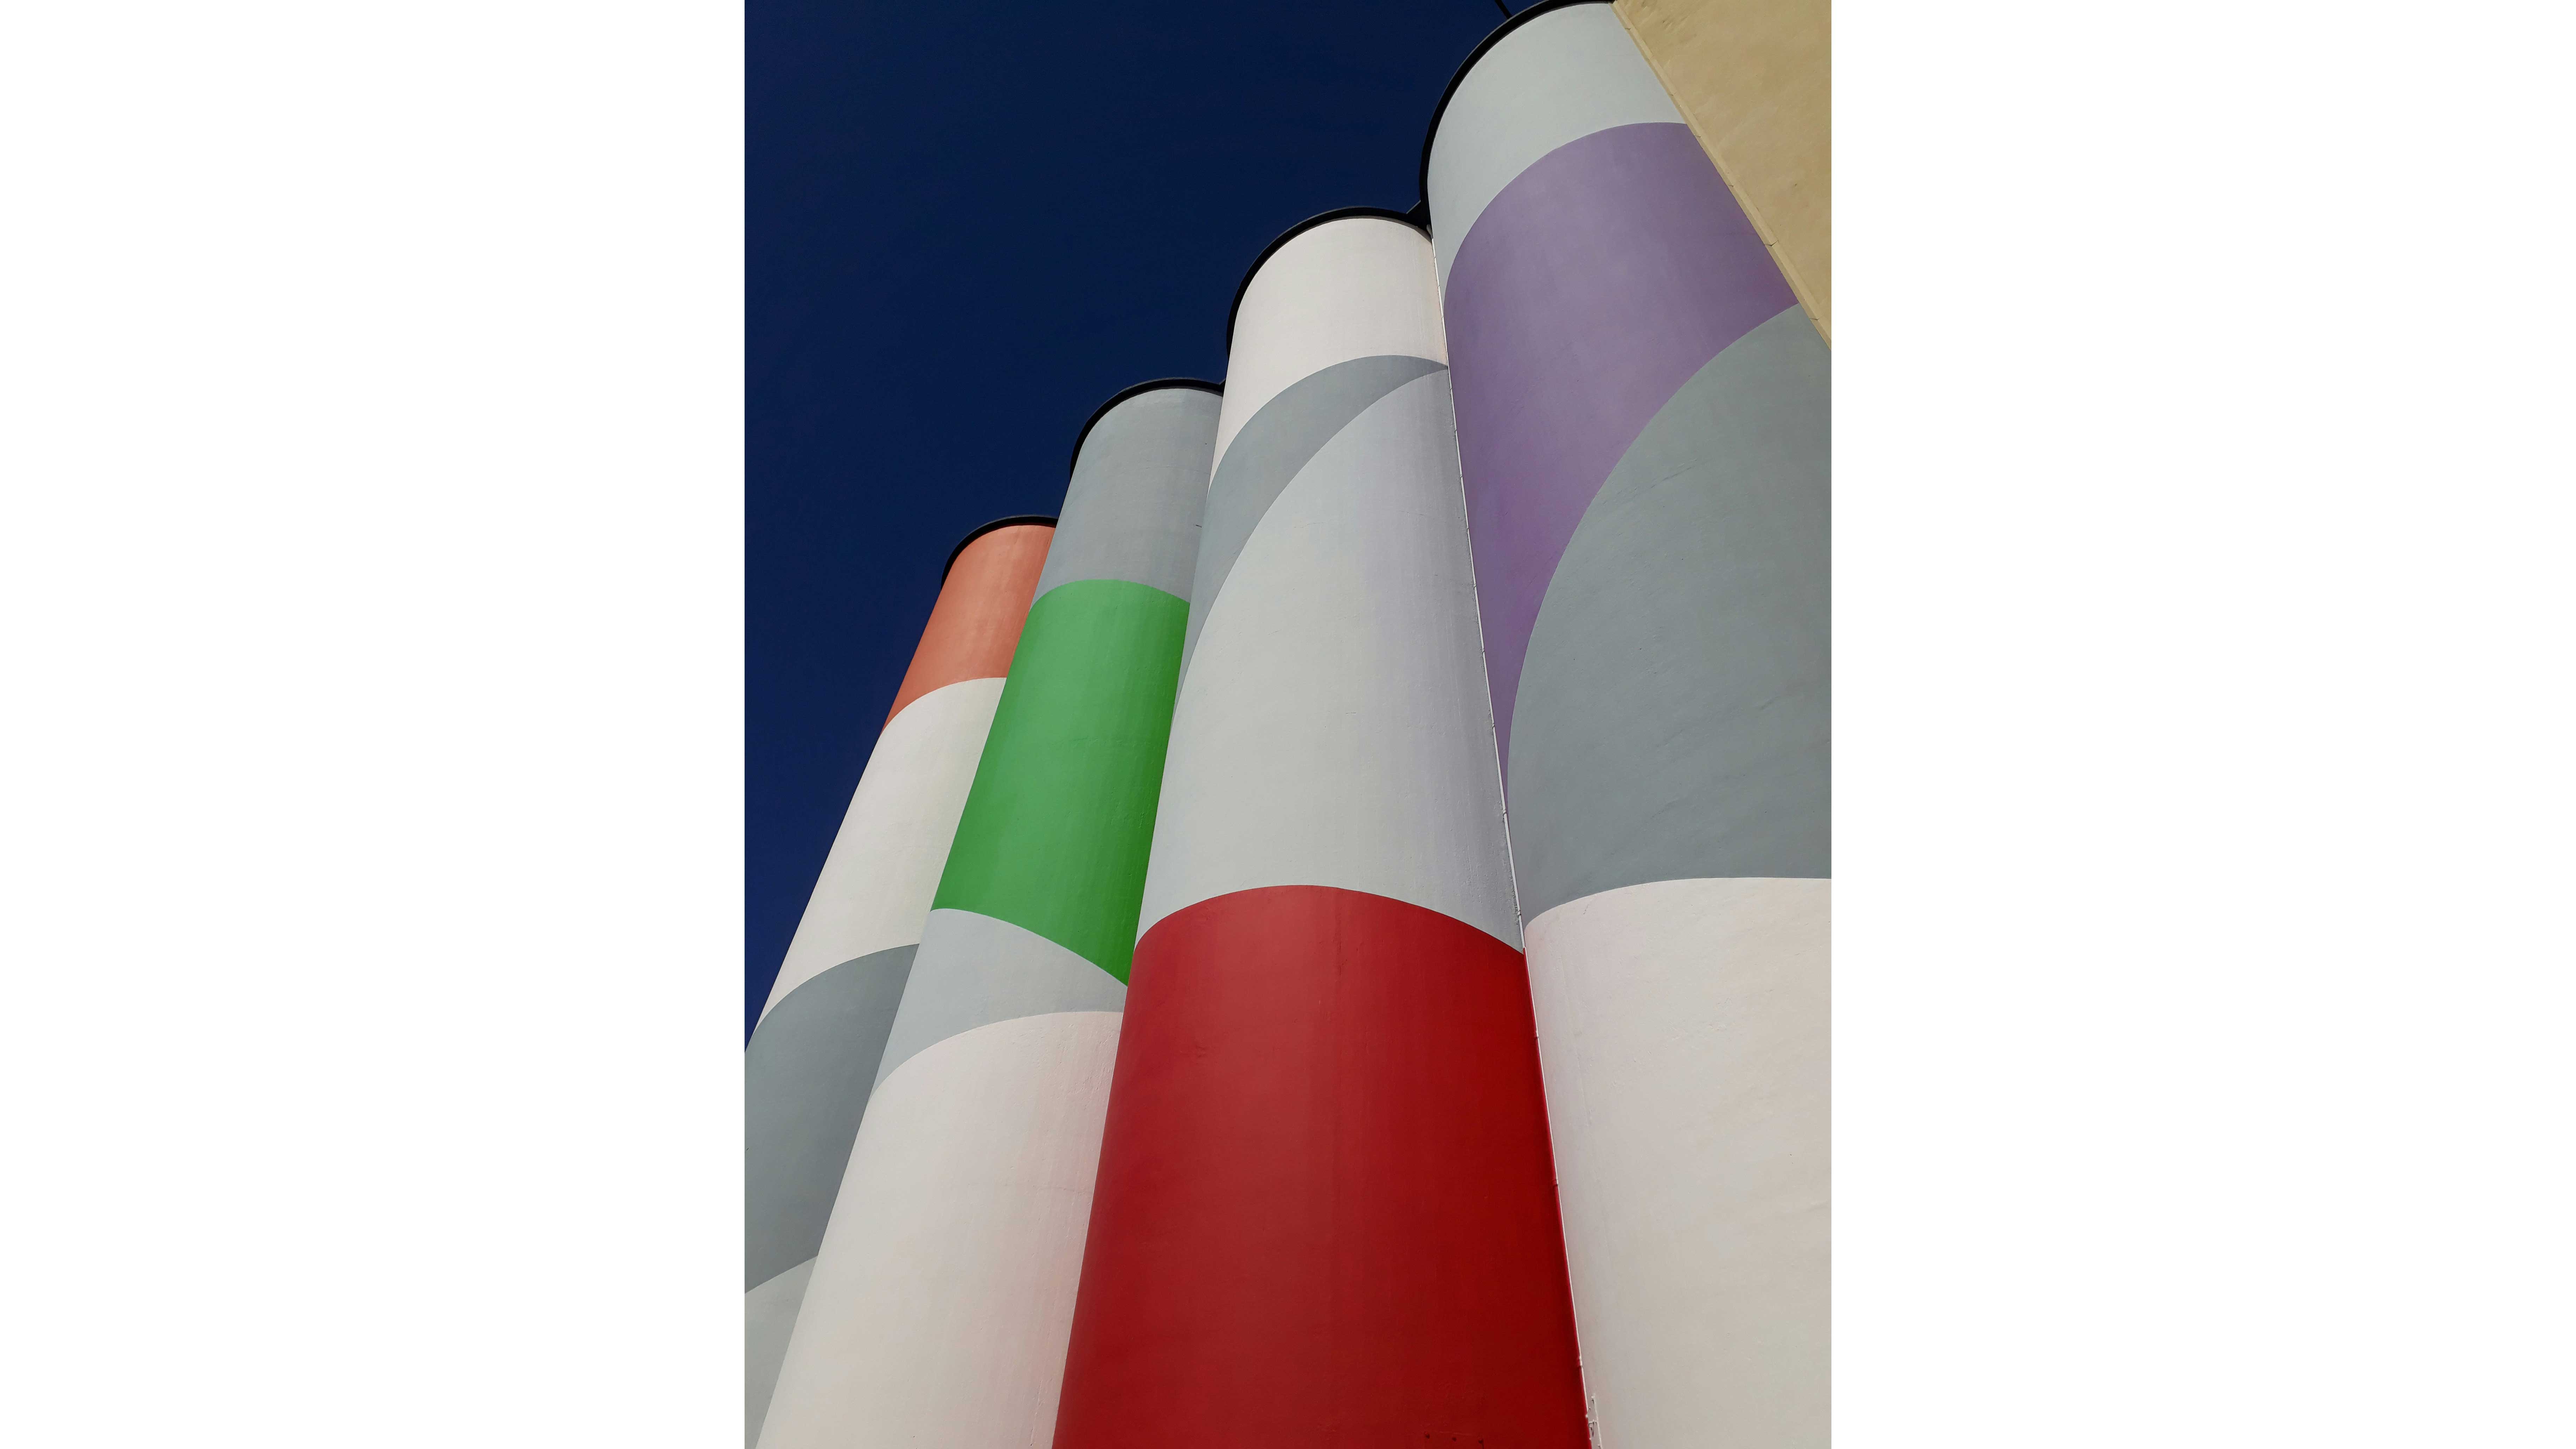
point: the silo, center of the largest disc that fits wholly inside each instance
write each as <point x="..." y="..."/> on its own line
<point x="1324" y="1211"/>
<point x="1643" y="427"/>
<point x="1754" y="78"/>
<point x="814" y="1052"/>
<point x="940" y="1302"/>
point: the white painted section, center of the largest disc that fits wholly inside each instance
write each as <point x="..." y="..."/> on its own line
<point x="1362" y="287"/>
<point x="942" y="1300"/>
<point x="1335" y="728"/>
<point x="884" y="866"/>
<point x="768" y="1317"/>
<point x="973" y="970"/>
<point x="1683" y="1029"/>
<point x="1559" y="78"/>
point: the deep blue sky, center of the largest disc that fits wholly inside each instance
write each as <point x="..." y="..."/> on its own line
<point x="966" y="226"/>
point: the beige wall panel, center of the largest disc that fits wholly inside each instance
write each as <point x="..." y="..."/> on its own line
<point x="1755" y="80"/>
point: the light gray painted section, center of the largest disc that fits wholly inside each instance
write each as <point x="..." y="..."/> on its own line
<point x="1557" y="79"/>
<point x="1673" y="720"/>
<point x="1336" y="729"/>
<point x="1268" y="451"/>
<point x="1132" y="509"/>
<point x="806" y="1077"/>
<point x="974" y="970"/>
<point x="768" y="1318"/>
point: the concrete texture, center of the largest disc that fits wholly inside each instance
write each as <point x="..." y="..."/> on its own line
<point x="1335" y="731"/>
<point x="768" y="1318"/>
<point x="1269" y="451"/>
<point x="1559" y="78"/>
<point x="1755" y="80"/>
<point x="1597" y="283"/>
<point x="978" y="971"/>
<point x="1644" y="429"/>
<point x="1055" y="831"/>
<point x="975" y="624"/>
<point x="1358" y="287"/>
<point x="806" y="1077"/>
<point x="1686" y="1028"/>
<point x="940" y="1299"/>
<point x="940" y="1305"/>
<point x="812" y="1058"/>
<point x="875" y="888"/>
<point x="1675" y="712"/>
<point x="1324" y="1214"/>
<point x="1132" y="509"/>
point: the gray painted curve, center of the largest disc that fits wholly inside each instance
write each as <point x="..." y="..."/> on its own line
<point x="768" y="1320"/>
<point x="1673" y="720"/>
<point x="806" y="1078"/>
<point x="1339" y="732"/>
<point x="1269" y="450"/>
<point x="1131" y="510"/>
<point x="974" y="970"/>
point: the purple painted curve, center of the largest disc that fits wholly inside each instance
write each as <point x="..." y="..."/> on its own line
<point x="1596" y="284"/>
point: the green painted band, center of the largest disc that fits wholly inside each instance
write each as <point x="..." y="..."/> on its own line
<point x="1061" y="816"/>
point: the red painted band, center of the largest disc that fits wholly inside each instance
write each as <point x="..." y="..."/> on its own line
<point x="1326" y="1211"/>
<point x="975" y="623"/>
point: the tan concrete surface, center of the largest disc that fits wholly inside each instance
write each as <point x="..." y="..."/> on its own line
<point x="1755" y="80"/>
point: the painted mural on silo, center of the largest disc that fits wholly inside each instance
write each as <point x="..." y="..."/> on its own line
<point x="814" y="1052"/>
<point x="1324" y="1210"/>
<point x="1643" y="428"/>
<point x="1755" y="80"/>
<point x="939" y="1305"/>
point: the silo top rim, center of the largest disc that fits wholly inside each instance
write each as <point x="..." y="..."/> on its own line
<point x="1413" y="219"/>
<point x="981" y="529"/>
<point x="1123" y="394"/>
<point x="1543" y="7"/>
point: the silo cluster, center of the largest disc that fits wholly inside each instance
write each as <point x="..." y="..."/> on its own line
<point x="813" y="1055"/>
<point x="1332" y="948"/>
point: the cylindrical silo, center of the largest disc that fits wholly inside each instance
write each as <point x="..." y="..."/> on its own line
<point x="814" y="1052"/>
<point x="939" y="1304"/>
<point x="1642" y="424"/>
<point x="1754" y="78"/>
<point x="1324" y="1212"/>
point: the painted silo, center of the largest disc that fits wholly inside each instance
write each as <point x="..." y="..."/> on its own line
<point x="1324" y="1211"/>
<point x="1643" y="429"/>
<point x="814" y="1052"/>
<point x="940" y="1302"/>
<point x="1754" y="78"/>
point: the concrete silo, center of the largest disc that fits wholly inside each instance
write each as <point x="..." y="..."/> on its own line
<point x="1643" y="428"/>
<point x="939" y="1304"/>
<point x="813" y="1054"/>
<point x="1324" y="1211"/>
